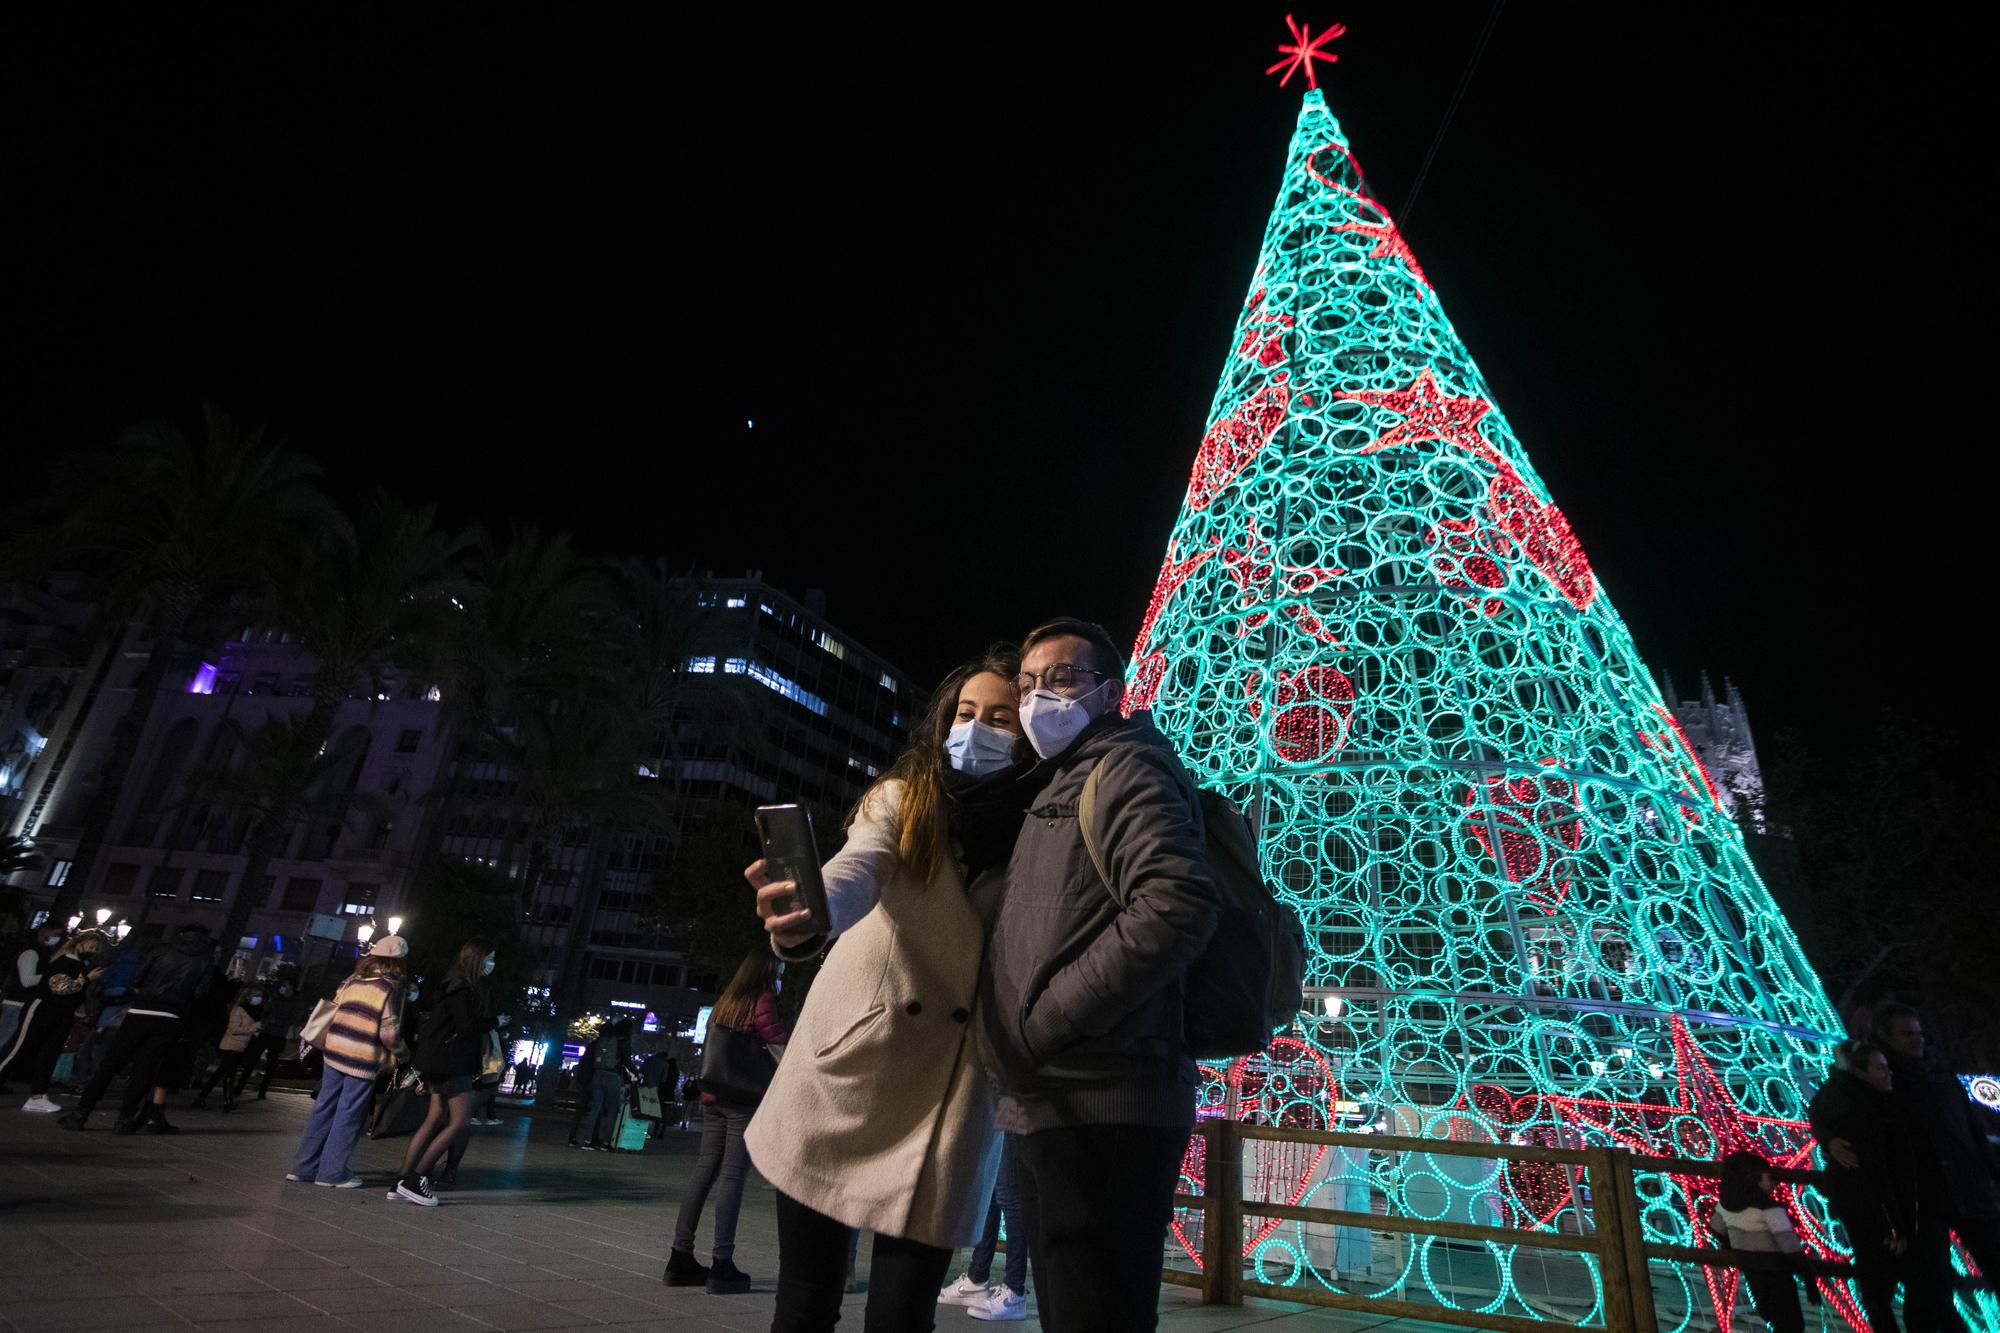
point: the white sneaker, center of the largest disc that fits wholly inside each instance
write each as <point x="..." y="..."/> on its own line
<point x="1004" y="1303"/>
<point x="40" y="1105"/>
<point x="964" y="1292"/>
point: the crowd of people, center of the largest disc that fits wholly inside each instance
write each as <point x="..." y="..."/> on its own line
<point x="994" y="1041"/>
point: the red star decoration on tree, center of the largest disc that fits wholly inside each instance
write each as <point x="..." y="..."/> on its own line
<point x="1428" y="415"/>
<point x="1304" y="49"/>
<point x="1389" y="244"/>
<point x="1704" y="1123"/>
<point x="1147" y="667"/>
<point x="1665" y="743"/>
<point x="1252" y="567"/>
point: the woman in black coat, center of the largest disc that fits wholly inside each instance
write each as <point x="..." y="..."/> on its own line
<point x="449" y="1050"/>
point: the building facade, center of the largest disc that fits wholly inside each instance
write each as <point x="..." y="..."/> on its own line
<point x="787" y="708"/>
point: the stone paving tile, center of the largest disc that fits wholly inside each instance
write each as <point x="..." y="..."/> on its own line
<point x="307" y="1279"/>
<point x="528" y="1314"/>
<point x="202" y="1282"/>
<point x="232" y="1306"/>
<point x="414" y="1321"/>
<point x="310" y="1324"/>
<point x="608" y="1309"/>
<point x="82" y="1312"/>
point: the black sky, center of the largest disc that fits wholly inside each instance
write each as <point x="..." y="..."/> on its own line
<point x="973" y="276"/>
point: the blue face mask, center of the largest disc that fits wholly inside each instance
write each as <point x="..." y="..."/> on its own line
<point x="976" y="749"/>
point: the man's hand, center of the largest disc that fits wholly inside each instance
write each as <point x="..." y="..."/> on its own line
<point x="788" y="922"/>
<point x="1841" y="1151"/>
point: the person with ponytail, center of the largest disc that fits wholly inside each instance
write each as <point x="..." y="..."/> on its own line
<point x="450" y="1047"/>
<point x="881" y="1116"/>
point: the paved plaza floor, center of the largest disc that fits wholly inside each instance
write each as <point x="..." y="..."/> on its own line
<point x="201" y="1231"/>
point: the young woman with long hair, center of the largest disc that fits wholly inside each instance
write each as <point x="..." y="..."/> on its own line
<point x="880" y="1117"/>
<point x="745" y="1014"/>
<point x="449" y="1049"/>
<point x="366" y="1032"/>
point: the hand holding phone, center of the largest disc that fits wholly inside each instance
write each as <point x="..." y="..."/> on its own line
<point x="791" y="896"/>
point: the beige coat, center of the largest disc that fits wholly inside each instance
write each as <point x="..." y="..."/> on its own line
<point x="879" y="1115"/>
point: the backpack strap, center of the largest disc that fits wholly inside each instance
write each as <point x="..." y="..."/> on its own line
<point x="1086" y="819"/>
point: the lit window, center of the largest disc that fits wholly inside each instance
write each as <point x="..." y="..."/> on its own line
<point x="773" y="681"/>
<point x="59" y="874"/>
<point x="735" y="666"/>
<point x="701" y="666"/>
<point x="831" y="644"/>
<point x="736" y="602"/>
<point x="888" y="682"/>
<point x="766" y="609"/>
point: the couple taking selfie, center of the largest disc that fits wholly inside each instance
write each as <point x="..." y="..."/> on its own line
<point x="989" y="980"/>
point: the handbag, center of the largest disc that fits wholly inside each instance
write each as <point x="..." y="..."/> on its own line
<point x="317" y="1023"/>
<point x="649" y="1104"/>
<point x="493" y="1064"/>
<point x="736" y="1067"/>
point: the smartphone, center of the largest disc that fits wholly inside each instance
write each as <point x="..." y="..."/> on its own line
<point x="790" y="853"/>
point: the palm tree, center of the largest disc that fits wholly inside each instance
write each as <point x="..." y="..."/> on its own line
<point x="16" y="855"/>
<point x="284" y="777"/>
<point x="178" y="528"/>
<point x="373" y="589"/>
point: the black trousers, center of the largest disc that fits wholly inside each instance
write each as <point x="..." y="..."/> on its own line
<point x="144" y="1041"/>
<point x="226" y="1065"/>
<point x="1876" y="1271"/>
<point x="1775" y="1293"/>
<point x="1097" y="1199"/>
<point x="45" y="1027"/>
<point x="903" y="1276"/>
<point x="261" y="1047"/>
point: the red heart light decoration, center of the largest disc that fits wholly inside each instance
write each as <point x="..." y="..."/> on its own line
<point x="1534" y="813"/>
<point x="1535" y="1190"/>
<point x="1291" y="1085"/>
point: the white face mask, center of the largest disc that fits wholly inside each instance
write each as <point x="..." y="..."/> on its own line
<point x="486" y="968"/>
<point x="1053" y="720"/>
<point x="977" y="749"/>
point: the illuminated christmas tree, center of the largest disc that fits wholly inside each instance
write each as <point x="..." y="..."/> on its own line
<point x="1529" y="919"/>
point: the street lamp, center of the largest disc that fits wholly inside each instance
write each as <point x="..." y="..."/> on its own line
<point x="103" y="915"/>
<point x="365" y="931"/>
<point x="124" y="928"/>
<point x="395" y="925"/>
<point x="76" y="921"/>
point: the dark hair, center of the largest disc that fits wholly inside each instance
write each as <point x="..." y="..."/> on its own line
<point x="1882" y="1019"/>
<point x="754" y="975"/>
<point x="923" y="835"/>
<point x="465" y="969"/>
<point x="1103" y="648"/>
<point x="1853" y="1053"/>
<point x="1739" y="1188"/>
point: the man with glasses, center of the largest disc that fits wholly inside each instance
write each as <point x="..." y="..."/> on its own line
<point x="1080" y="998"/>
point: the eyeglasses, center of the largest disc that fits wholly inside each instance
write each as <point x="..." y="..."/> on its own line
<point x="1061" y="676"/>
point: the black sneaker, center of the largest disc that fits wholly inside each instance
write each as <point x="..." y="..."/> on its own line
<point x="447" y="1178"/>
<point x="158" y="1125"/>
<point x="417" y="1189"/>
<point x="726" y="1279"/>
<point x="126" y="1127"/>
<point x="683" y="1271"/>
<point x="74" y="1120"/>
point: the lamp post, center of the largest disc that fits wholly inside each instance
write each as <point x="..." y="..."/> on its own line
<point x="75" y="920"/>
<point x="103" y="915"/>
<point x="124" y="928"/>
<point x="395" y="925"/>
<point x="365" y="931"/>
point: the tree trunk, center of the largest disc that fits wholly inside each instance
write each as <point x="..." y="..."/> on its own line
<point x="264" y="843"/>
<point x="125" y="737"/>
<point x="571" y="981"/>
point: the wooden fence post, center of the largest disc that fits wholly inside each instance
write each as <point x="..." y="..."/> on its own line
<point x="1222" y="1213"/>
<point x="1639" y="1275"/>
<point x="1614" y="1271"/>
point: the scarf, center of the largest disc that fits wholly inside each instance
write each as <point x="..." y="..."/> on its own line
<point x="986" y="814"/>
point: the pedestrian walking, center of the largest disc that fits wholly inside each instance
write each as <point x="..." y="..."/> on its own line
<point x="281" y="1013"/>
<point x="49" y="1012"/>
<point x="449" y="1050"/>
<point x="734" y="1076"/>
<point x="242" y="1028"/>
<point x="172" y="980"/>
<point x="363" y="1038"/>
<point x="881" y="1116"/>
<point x="1748" y="1217"/>
<point x="1955" y="1156"/>
<point x="1080" y="1001"/>
<point x="974" y="1289"/>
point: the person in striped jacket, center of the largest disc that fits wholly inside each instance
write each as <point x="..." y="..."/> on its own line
<point x="365" y="1033"/>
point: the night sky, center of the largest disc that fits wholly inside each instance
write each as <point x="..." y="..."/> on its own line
<point x="973" y="275"/>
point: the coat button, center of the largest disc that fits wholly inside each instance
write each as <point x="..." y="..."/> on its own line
<point x="961" y="1015"/>
<point x="913" y="1008"/>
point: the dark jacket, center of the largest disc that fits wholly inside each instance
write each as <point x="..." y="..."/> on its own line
<point x="174" y="976"/>
<point x="1080" y="999"/>
<point x="1950" y="1139"/>
<point x="1881" y="1194"/>
<point x="453" y="1038"/>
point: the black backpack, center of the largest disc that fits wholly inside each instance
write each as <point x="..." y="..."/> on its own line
<point x="1249" y="982"/>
